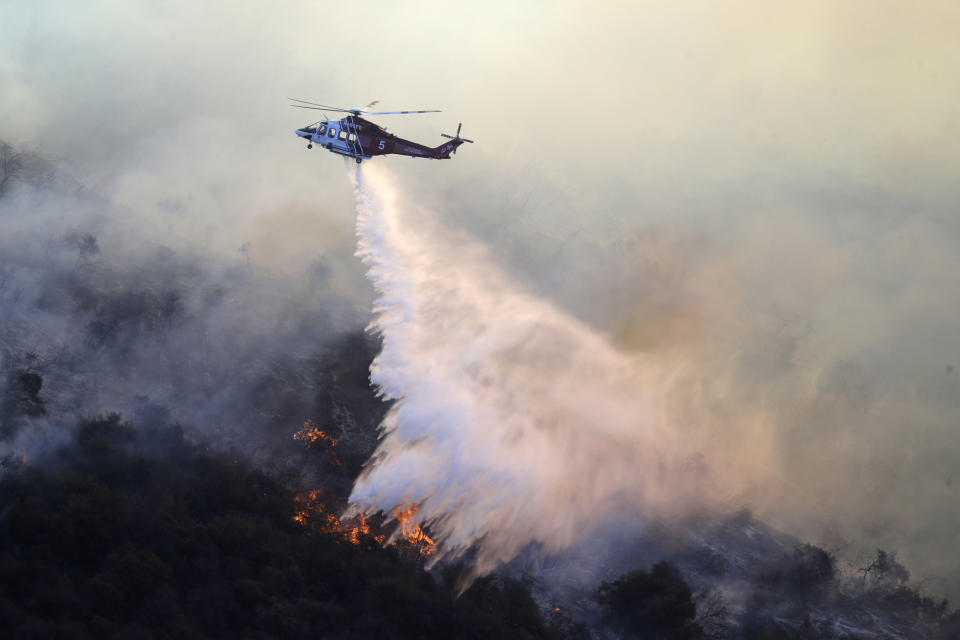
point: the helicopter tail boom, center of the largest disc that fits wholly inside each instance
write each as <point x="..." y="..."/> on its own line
<point x="443" y="151"/>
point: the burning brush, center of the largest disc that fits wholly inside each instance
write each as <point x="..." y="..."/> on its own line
<point x="313" y="512"/>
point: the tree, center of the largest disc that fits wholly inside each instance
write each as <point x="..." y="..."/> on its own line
<point x="807" y="574"/>
<point x="139" y="532"/>
<point x="21" y="397"/>
<point x="654" y="604"/>
<point x="713" y="616"/>
<point x="884" y="569"/>
<point x="11" y="165"/>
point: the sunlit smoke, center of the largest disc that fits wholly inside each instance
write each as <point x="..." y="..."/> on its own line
<point x="513" y="423"/>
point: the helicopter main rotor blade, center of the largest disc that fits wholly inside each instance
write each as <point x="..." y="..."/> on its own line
<point x="388" y="113"/>
<point x="325" y="106"/>
<point x="301" y="106"/>
<point x="305" y="104"/>
<point x="365" y="109"/>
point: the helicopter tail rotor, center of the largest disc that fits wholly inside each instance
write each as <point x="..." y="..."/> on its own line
<point x="457" y="136"/>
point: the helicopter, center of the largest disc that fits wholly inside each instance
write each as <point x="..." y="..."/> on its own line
<point x="357" y="137"/>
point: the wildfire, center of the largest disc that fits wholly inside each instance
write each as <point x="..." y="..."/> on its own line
<point x="311" y="497"/>
<point x="413" y="533"/>
<point x="311" y="503"/>
<point x="362" y="529"/>
<point x="311" y="434"/>
<point x="312" y="511"/>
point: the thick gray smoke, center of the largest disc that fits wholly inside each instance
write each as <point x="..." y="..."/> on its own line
<point x="99" y="314"/>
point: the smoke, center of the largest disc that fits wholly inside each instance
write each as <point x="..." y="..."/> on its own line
<point x="767" y="212"/>
<point x="729" y="377"/>
<point x="102" y="312"/>
<point x="513" y="422"/>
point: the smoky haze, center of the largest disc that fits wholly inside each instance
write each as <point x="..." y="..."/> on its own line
<point x="112" y="321"/>
<point x="761" y="194"/>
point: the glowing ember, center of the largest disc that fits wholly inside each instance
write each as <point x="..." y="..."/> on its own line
<point x="330" y="523"/>
<point x="310" y="435"/>
<point x="311" y="497"/>
<point x="311" y="503"/>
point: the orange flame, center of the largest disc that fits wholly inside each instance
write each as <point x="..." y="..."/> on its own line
<point x="311" y="503"/>
<point x="310" y="435"/>
<point x="313" y="512"/>
<point x="362" y="529"/>
<point x="413" y="533"/>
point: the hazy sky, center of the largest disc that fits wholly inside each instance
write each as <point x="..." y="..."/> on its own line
<point x="766" y="190"/>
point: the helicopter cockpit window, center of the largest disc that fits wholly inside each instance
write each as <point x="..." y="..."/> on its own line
<point x="332" y="133"/>
<point x="322" y="129"/>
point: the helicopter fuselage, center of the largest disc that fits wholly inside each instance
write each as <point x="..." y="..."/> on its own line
<point x="361" y="139"/>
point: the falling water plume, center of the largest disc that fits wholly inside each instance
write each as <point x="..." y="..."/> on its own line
<point x="512" y="422"/>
